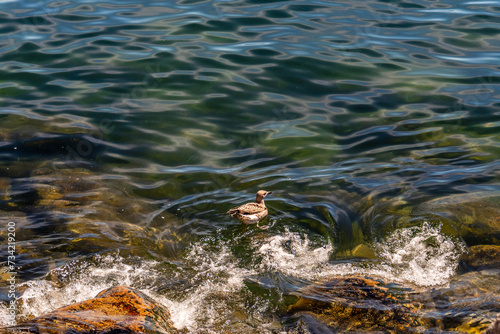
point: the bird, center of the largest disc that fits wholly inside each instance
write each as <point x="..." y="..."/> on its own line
<point x="253" y="212"/>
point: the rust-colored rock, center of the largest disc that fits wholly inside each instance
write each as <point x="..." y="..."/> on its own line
<point x="116" y="310"/>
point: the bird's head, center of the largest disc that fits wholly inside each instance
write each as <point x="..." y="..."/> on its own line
<point x="261" y="194"/>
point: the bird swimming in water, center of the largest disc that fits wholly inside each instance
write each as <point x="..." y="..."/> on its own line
<point x="251" y="213"/>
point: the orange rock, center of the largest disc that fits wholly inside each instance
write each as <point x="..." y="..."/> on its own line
<point x="116" y="310"/>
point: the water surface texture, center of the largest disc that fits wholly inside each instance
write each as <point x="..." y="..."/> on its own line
<point x="128" y="129"/>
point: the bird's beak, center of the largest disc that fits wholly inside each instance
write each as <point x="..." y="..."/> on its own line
<point x="269" y="192"/>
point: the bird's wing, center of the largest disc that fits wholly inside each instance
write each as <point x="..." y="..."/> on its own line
<point x="250" y="208"/>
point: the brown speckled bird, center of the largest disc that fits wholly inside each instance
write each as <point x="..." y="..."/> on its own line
<point x="251" y="213"/>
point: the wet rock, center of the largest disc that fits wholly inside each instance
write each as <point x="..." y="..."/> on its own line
<point x="475" y="216"/>
<point x="361" y="251"/>
<point x="466" y="305"/>
<point x="481" y="257"/>
<point x="355" y="304"/>
<point x="364" y="251"/>
<point x="365" y="305"/>
<point x="116" y="310"/>
<point x="81" y="193"/>
<point x="306" y="323"/>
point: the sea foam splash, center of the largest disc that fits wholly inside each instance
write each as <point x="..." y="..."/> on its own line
<point x="215" y="284"/>
<point x="292" y="254"/>
<point x="422" y="255"/>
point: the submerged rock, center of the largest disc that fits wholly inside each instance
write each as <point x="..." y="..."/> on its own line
<point x="481" y="257"/>
<point x="116" y="310"/>
<point x="353" y="304"/>
<point x="356" y="304"/>
<point x="475" y="216"/>
<point x="466" y="305"/>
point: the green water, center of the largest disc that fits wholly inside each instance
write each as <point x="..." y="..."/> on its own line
<point x="128" y="129"/>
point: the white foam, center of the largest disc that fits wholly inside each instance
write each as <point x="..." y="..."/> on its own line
<point x="5" y="319"/>
<point x="292" y="254"/>
<point x="219" y="278"/>
<point x="422" y="255"/>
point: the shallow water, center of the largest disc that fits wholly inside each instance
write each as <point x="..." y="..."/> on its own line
<point x="128" y="129"/>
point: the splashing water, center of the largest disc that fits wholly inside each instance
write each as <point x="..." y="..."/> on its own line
<point x="216" y="281"/>
<point x="421" y="255"/>
<point x="293" y="255"/>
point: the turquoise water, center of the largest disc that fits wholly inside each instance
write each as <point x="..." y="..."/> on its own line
<point x="129" y="128"/>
